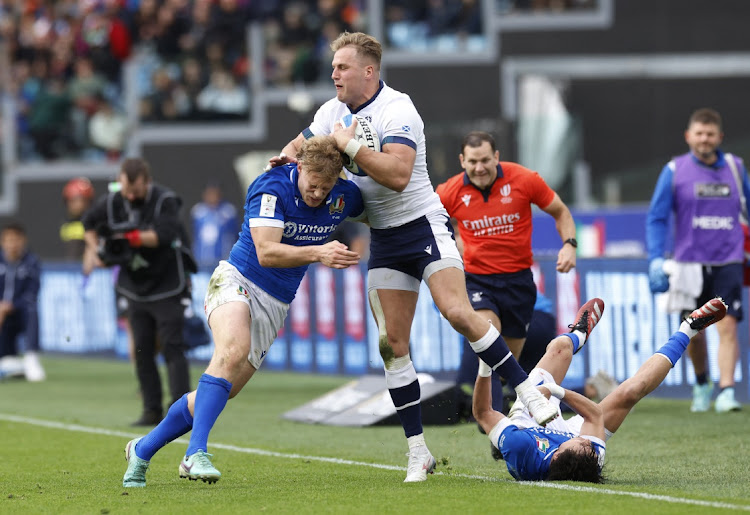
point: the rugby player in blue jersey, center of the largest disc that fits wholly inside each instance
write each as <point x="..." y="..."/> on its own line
<point x="573" y="450"/>
<point x="289" y="213"/>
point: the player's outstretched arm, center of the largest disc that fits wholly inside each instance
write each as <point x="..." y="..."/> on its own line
<point x="481" y="401"/>
<point x="274" y="254"/>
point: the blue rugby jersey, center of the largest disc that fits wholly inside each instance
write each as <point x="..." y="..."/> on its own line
<point x="274" y="200"/>
<point x="528" y="452"/>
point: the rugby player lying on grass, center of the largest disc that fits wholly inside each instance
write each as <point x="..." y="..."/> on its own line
<point x="573" y="449"/>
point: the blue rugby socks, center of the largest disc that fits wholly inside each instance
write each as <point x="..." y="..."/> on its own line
<point x="210" y="398"/>
<point x="177" y="422"/>
<point x="675" y="347"/>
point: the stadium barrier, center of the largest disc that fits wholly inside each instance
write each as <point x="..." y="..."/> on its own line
<point x="329" y="329"/>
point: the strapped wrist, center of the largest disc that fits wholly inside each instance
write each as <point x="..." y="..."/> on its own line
<point x="555" y="390"/>
<point x="134" y="238"/>
<point x="352" y="147"/>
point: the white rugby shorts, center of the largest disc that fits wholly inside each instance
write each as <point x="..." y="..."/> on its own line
<point x="267" y="313"/>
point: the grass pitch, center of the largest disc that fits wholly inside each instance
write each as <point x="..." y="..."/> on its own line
<point x="62" y="452"/>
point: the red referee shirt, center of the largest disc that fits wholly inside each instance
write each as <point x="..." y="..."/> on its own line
<point x="495" y="226"/>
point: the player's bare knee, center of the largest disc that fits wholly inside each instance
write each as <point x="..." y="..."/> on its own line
<point x="560" y="347"/>
<point x="459" y="317"/>
<point x="631" y="392"/>
<point x="386" y="351"/>
<point x="232" y="356"/>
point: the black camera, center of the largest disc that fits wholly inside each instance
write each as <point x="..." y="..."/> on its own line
<point x="114" y="248"/>
<point x="115" y="251"/>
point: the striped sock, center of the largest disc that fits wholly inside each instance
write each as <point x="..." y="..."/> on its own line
<point x="494" y="351"/>
<point x="406" y="394"/>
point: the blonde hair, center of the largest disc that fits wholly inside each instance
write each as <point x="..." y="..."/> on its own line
<point x="320" y="154"/>
<point x="366" y="45"/>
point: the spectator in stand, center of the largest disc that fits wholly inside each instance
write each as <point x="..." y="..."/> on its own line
<point x="169" y="29"/>
<point x="94" y="41"/>
<point x="160" y="106"/>
<point x="48" y="120"/>
<point x="223" y="98"/>
<point x="215" y="227"/>
<point x="54" y="40"/>
<point x="120" y="37"/>
<point x="145" y="20"/>
<point x="26" y="83"/>
<point x="85" y="90"/>
<point x="228" y="28"/>
<point x="298" y="39"/>
<point x="193" y="82"/>
<point x="192" y="42"/>
<point x="86" y="84"/>
<point x="108" y="129"/>
<point x="453" y="16"/>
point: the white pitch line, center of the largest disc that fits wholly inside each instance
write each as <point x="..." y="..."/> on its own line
<point x="249" y="450"/>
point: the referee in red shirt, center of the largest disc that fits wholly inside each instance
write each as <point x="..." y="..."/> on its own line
<point x="491" y="204"/>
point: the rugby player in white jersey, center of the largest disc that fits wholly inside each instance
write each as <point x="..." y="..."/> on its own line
<point x="411" y="237"/>
<point x="573" y="450"/>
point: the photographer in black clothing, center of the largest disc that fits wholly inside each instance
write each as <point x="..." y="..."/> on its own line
<point x="138" y="227"/>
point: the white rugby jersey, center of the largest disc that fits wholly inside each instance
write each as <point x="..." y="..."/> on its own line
<point x="395" y="119"/>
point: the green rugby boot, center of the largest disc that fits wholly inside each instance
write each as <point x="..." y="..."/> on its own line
<point x="725" y="402"/>
<point x="135" y="475"/>
<point x="198" y="466"/>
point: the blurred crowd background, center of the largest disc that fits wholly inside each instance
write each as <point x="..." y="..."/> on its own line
<point x="591" y="93"/>
<point x="66" y="58"/>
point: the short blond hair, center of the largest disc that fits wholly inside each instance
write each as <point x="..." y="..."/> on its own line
<point x="320" y="154"/>
<point x="366" y="45"/>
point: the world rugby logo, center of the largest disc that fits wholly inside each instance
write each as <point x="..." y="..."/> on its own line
<point x="290" y="229"/>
